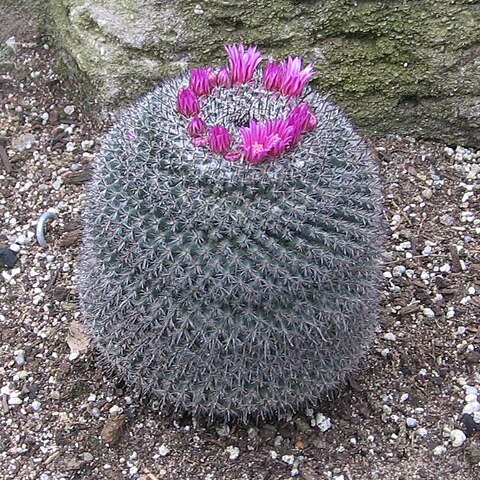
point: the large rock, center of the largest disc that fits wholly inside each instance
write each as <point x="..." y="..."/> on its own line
<point x="396" y="67"/>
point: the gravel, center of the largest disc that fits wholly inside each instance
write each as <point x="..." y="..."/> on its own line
<point x="411" y="412"/>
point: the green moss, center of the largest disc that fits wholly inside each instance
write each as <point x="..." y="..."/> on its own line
<point x="372" y="56"/>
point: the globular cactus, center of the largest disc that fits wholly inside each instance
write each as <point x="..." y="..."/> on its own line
<point x="230" y="259"/>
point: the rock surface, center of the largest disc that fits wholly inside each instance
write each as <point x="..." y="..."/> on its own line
<point x="396" y="67"/>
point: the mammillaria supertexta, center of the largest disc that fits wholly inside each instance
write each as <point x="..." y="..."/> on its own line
<point x="232" y="241"/>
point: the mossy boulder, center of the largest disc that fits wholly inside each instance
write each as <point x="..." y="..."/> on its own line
<point x="396" y="67"/>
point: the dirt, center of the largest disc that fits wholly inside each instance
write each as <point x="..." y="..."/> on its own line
<point x="62" y="417"/>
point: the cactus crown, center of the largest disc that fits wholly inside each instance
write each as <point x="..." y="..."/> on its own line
<point x="226" y="275"/>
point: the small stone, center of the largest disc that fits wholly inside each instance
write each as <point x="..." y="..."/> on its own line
<point x="14" y="247"/>
<point x="445" y="268"/>
<point x="69" y="109"/>
<point x="471" y="397"/>
<point x="163" y="451"/>
<point x="473" y="455"/>
<point x="115" y="410"/>
<point x="88" y="457"/>
<point x="428" y="312"/>
<point x="23" y="142"/>
<point x="439" y="450"/>
<point x="323" y="422"/>
<point x="20" y="358"/>
<point x="398" y="271"/>
<point x="15" y="400"/>
<point x="36" y="405"/>
<point x="87" y="145"/>
<point x="411" y="422"/>
<point x="70" y="146"/>
<point x="469" y="424"/>
<point x="288" y="459"/>
<point x="57" y="183"/>
<point x="447" y="220"/>
<point x="233" y="452"/>
<point x="457" y="437"/>
<point x="427" y="193"/>
<point x="133" y="470"/>
<point x="390" y="337"/>
<point x="423" y="432"/>
<point x="8" y="258"/>
<point x="471" y="407"/>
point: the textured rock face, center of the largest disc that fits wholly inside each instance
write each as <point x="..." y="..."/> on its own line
<point x="396" y="67"/>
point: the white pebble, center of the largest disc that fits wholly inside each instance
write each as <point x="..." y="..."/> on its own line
<point x="411" y="422"/>
<point x="450" y="313"/>
<point x="471" y="408"/>
<point x="288" y="459"/>
<point x="323" y="422"/>
<point x="87" y="145"/>
<point x="390" y="336"/>
<point x="457" y="437"/>
<point x="115" y="410"/>
<point x="69" y="109"/>
<point x="15" y="247"/>
<point x="36" y="405"/>
<point x="233" y="452"/>
<point x="70" y="147"/>
<point x="439" y="450"/>
<point x="471" y="397"/>
<point x="470" y="390"/>
<point x="445" y="268"/>
<point x="423" y="432"/>
<point x="133" y="470"/>
<point x="398" y="271"/>
<point x="57" y="183"/>
<point x="428" y="312"/>
<point x="163" y="450"/>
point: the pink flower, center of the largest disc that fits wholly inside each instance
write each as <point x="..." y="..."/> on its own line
<point x="233" y="155"/>
<point x="187" y="102"/>
<point x="273" y="76"/>
<point x="294" y="78"/>
<point x="219" y="139"/>
<point x="242" y="63"/>
<point x="223" y="78"/>
<point x="301" y="119"/>
<point x="196" y="127"/>
<point x="263" y="140"/>
<point x="200" y="80"/>
<point x="200" y="141"/>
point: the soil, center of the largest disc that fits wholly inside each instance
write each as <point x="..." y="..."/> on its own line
<point x="62" y="417"/>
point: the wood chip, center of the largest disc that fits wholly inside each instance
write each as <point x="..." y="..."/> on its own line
<point x="69" y="239"/>
<point x="113" y="429"/>
<point x="76" y="178"/>
<point x="77" y="338"/>
<point x="7" y="166"/>
<point x="456" y="265"/>
<point x="410" y="309"/>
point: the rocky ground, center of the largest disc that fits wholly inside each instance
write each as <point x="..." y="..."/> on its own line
<point x="412" y="413"/>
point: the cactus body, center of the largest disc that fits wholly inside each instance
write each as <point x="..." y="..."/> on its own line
<point x="223" y="287"/>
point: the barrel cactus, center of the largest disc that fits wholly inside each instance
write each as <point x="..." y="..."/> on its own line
<point x="232" y="241"/>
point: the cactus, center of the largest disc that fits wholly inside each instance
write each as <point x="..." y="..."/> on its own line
<point x="225" y="283"/>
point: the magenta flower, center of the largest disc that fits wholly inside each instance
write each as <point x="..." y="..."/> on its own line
<point x="219" y="139"/>
<point x="223" y="78"/>
<point x="273" y="75"/>
<point x="200" y="141"/>
<point x="187" y="102"/>
<point x="262" y="140"/>
<point x="301" y="119"/>
<point x="242" y="63"/>
<point x="196" y="127"/>
<point x="200" y="80"/>
<point x="294" y="78"/>
<point x="233" y="155"/>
